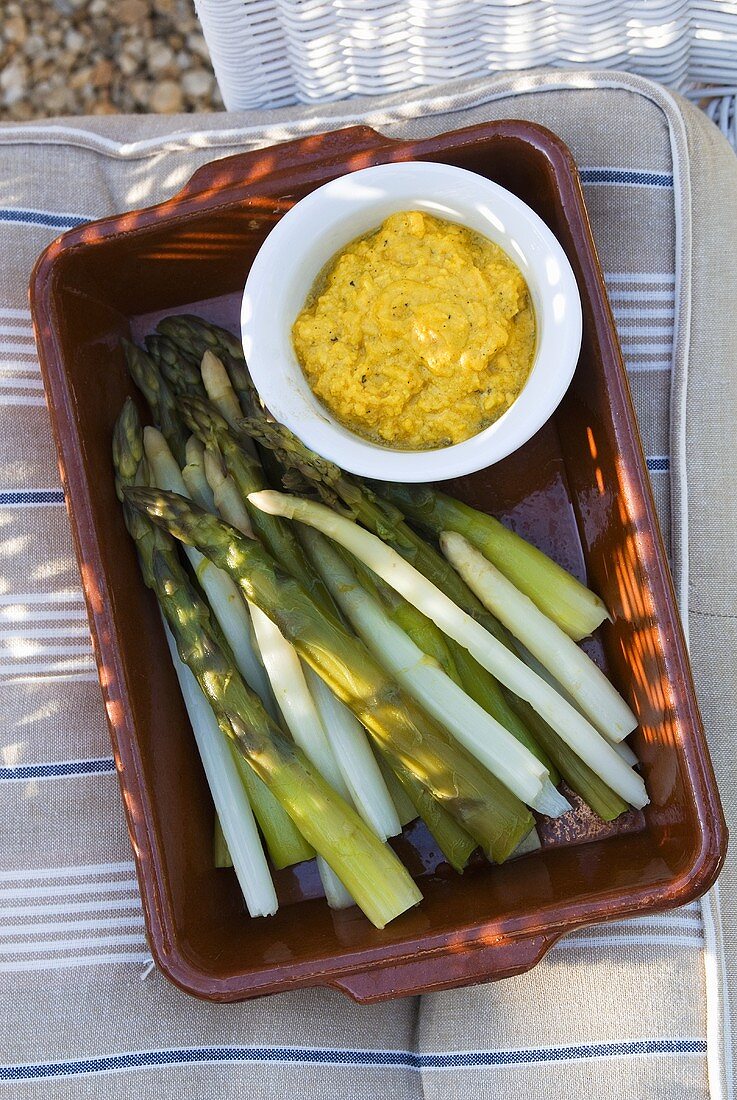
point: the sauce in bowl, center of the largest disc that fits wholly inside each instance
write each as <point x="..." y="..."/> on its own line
<point x="418" y="335"/>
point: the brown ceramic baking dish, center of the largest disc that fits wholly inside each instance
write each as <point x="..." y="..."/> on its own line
<point x="580" y="489"/>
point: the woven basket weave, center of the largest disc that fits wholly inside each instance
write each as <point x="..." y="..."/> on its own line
<point x="272" y="53"/>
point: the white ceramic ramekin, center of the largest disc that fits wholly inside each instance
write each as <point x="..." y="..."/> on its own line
<point x="332" y="216"/>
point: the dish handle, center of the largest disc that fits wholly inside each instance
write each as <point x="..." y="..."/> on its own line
<point x="358" y="143"/>
<point x="429" y="973"/>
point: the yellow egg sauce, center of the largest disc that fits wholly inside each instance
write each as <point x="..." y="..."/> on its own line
<point x="418" y="335"/>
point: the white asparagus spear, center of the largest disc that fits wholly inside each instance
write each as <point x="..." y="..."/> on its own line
<point x="300" y="715"/>
<point x="220" y="390"/>
<point x="586" y="741"/>
<point x="193" y="475"/>
<point x="224" y="597"/>
<point x="532" y="662"/>
<point x="348" y="743"/>
<point x="485" y="738"/>
<point x="286" y="678"/>
<point x="228" y="794"/>
<point x="574" y="670"/>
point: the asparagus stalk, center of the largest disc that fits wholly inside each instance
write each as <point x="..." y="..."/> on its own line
<point x="195" y="336"/>
<point x="357" y="763"/>
<point x="221" y="856"/>
<point x="405" y="809"/>
<point x="194" y="476"/>
<point x="369" y="869"/>
<point x="454" y="842"/>
<point x="347" y="747"/>
<point x="621" y="746"/>
<point x="415" y="742"/>
<point x="223" y="594"/>
<point x="481" y="735"/>
<point x="584" y="681"/>
<point x="423" y="631"/>
<point x="284" y="842"/>
<point x="488" y="651"/>
<point x="455" y="661"/>
<point x="180" y="369"/>
<point x="282" y="838"/>
<point x="213" y="431"/>
<point x="303" y="722"/>
<point x="555" y="592"/>
<point x="147" y="377"/>
<point x="220" y="391"/>
<point x="232" y="808"/>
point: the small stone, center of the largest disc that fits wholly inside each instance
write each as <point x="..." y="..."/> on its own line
<point x="166" y="98"/>
<point x="57" y="99"/>
<point x="127" y="64"/>
<point x="197" y="83"/>
<point x="99" y="7"/>
<point x="34" y="46"/>
<point x="134" y="47"/>
<point x="159" y="57"/>
<point x="141" y="91"/>
<point x="15" y="30"/>
<point x="102" y="73"/>
<point x="74" y="41"/>
<point x="130" y="12"/>
<point x="104" y="107"/>
<point x="196" y="44"/>
<point x="13" y="79"/>
<point x="80" y="79"/>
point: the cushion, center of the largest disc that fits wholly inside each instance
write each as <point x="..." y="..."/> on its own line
<point x="640" y="1006"/>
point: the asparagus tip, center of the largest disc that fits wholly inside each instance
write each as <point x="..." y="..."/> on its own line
<point x="269" y="501"/>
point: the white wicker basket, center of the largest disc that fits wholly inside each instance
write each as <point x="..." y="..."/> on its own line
<point x="272" y="53"/>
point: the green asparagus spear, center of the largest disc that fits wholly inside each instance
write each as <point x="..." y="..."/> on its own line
<point x="340" y="489"/>
<point x="371" y="872"/>
<point x="147" y="377"/>
<point x="180" y="369"/>
<point x="454" y="842"/>
<point x="456" y="661"/>
<point x="555" y="592"/>
<point x="221" y="857"/>
<point x="416" y="743"/>
<point x="285" y="844"/>
<point x="196" y="336"/>
<point x="276" y="534"/>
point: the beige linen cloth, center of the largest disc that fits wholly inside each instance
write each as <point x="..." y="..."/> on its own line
<point x="630" y="1009"/>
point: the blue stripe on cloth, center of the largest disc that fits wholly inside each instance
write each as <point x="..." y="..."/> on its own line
<point x="626" y="177"/>
<point x="31" y="496"/>
<point x="41" y="217"/>
<point x="658" y="464"/>
<point x="391" y="1059"/>
<point x="102" y="765"/>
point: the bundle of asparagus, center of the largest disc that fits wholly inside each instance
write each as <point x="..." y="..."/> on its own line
<point x="343" y="675"/>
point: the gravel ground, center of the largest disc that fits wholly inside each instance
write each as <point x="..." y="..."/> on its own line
<point x="92" y="57"/>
